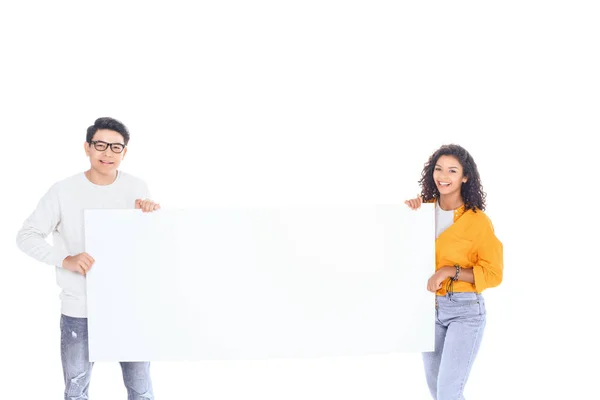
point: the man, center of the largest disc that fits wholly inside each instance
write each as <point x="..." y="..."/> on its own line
<point x="61" y="212"/>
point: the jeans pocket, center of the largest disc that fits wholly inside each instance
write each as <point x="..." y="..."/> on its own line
<point x="466" y="305"/>
<point x="464" y="298"/>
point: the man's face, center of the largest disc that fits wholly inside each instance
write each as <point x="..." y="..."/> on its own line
<point x="103" y="159"/>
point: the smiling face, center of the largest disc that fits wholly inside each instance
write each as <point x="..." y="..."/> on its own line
<point x="448" y="175"/>
<point x="106" y="162"/>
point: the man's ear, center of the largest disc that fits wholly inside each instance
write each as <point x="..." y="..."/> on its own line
<point x="123" y="153"/>
<point x="86" y="147"/>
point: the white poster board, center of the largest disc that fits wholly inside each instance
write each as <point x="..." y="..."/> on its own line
<point x="254" y="283"/>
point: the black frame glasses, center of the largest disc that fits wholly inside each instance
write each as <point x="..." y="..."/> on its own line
<point x="102" y="146"/>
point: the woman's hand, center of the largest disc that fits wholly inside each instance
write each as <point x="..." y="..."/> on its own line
<point x="435" y="282"/>
<point x="414" y="203"/>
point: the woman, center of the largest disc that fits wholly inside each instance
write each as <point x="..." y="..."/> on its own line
<point x="468" y="261"/>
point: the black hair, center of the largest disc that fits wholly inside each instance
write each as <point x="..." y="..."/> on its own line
<point x="471" y="191"/>
<point x="107" y="123"/>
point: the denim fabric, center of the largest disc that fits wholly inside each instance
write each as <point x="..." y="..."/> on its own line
<point x="77" y="368"/>
<point x="460" y="322"/>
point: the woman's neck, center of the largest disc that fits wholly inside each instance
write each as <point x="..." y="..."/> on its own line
<point x="451" y="202"/>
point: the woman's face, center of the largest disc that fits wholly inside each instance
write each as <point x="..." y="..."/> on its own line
<point x="448" y="175"/>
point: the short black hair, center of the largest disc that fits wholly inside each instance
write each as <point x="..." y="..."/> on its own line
<point x="107" y="123"/>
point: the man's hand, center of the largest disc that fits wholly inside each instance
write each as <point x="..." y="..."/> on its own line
<point x="146" y="205"/>
<point x="80" y="263"/>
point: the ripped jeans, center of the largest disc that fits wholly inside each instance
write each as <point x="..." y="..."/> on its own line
<point x="77" y="368"/>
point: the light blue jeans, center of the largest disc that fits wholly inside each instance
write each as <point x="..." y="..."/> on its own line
<point x="77" y="368"/>
<point x="459" y="325"/>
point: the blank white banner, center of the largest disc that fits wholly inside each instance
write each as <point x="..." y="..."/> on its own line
<point x="256" y="283"/>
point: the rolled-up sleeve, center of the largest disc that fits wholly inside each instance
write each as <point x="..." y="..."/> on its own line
<point x="489" y="267"/>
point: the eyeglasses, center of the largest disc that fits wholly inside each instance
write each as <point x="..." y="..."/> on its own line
<point x="102" y="146"/>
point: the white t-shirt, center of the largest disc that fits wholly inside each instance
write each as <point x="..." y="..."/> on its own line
<point x="443" y="219"/>
<point x="60" y="212"/>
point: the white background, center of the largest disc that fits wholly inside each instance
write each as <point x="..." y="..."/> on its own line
<point x="318" y="102"/>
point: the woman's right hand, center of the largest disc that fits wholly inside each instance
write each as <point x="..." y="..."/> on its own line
<point x="414" y="203"/>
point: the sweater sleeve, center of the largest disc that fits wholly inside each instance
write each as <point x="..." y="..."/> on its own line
<point x="488" y="270"/>
<point x="31" y="239"/>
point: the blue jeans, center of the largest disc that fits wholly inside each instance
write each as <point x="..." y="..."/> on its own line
<point x="459" y="325"/>
<point x="77" y="368"/>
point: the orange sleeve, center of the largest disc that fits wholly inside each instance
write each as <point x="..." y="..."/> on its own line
<point x="487" y="271"/>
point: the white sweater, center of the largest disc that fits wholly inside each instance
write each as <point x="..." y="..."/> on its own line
<point x="60" y="212"/>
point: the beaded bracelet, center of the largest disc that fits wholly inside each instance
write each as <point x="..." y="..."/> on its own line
<point x="455" y="278"/>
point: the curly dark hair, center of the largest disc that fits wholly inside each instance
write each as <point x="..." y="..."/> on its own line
<point x="107" y="123"/>
<point x="471" y="191"/>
